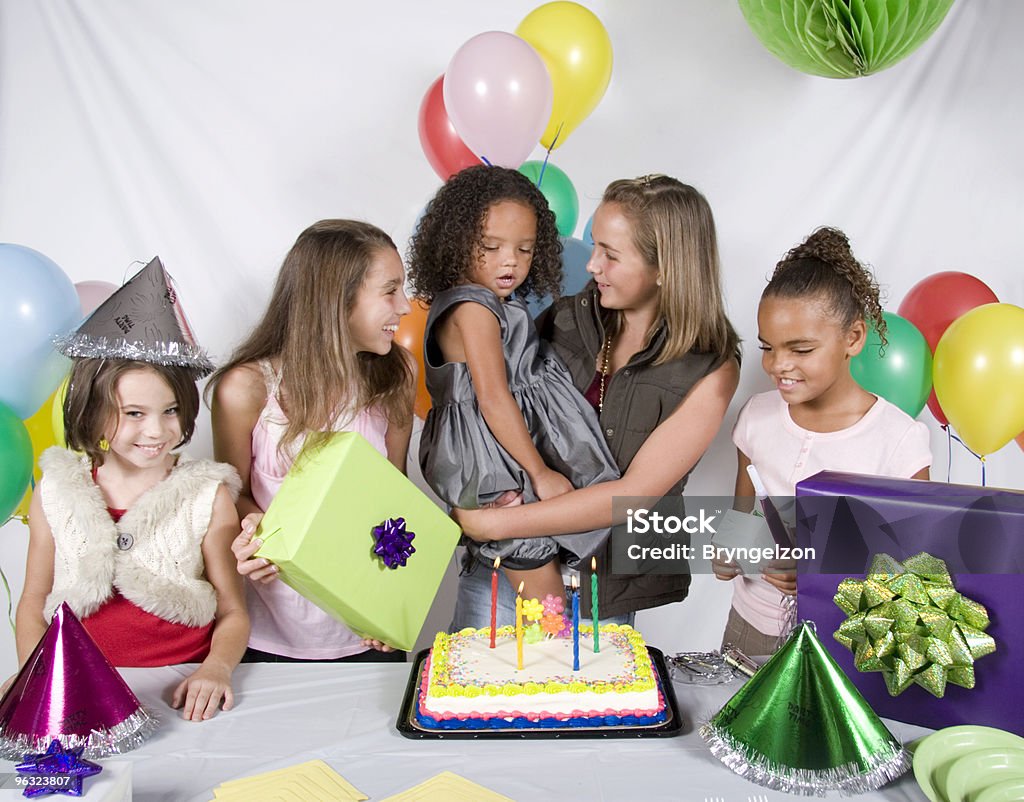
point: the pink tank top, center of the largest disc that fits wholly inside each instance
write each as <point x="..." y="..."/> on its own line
<point x="283" y="622"/>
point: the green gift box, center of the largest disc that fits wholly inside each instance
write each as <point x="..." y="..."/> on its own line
<point x="319" y="531"/>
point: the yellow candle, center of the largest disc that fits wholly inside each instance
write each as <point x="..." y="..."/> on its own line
<point x="519" y="627"/>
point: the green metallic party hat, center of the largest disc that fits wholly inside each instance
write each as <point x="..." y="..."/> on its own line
<point x="799" y="725"/>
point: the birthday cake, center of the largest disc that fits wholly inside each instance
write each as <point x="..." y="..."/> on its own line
<point x="467" y="685"/>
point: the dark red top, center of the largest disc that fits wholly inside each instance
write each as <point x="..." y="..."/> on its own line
<point x="129" y="636"/>
<point x="593" y="393"/>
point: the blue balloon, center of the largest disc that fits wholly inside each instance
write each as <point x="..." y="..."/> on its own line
<point x="39" y="302"/>
<point x="575" y="255"/>
<point x="588" y="232"/>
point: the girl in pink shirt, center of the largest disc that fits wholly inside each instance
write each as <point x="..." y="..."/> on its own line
<point x="322" y="359"/>
<point x="812" y="320"/>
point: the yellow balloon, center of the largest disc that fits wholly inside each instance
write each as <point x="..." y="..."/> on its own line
<point x="40" y="432"/>
<point x="978" y="372"/>
<point x="578" y="54"/>
<point x="57" y="413"/>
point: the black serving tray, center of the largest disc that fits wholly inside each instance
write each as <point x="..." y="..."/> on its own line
<point x="672" y="726"/>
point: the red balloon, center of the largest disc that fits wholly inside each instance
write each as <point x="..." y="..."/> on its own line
<point x="935" y="302"/>
<point x="444" y="149"/>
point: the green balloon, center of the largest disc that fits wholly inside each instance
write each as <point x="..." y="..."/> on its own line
<point x="902" y="372"/>
<point x="16" y="459"/>
<point x="843" y="38"/>
<point x="559" y="191"/>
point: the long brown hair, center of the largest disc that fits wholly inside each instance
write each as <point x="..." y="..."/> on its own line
<point x="306" y="328"/>
<point x="674" y="232"/>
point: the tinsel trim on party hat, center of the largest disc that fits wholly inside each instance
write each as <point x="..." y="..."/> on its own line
<point x="142" y="321"/>
<point x="68" y="690"/>
<point x="851" y="778"/>
<point x="129" y="734"/>
<point x="799" y="725"/>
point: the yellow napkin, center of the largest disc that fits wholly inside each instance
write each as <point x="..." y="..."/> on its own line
<point x="448" y="787"/>
<point x="311" y="780"/>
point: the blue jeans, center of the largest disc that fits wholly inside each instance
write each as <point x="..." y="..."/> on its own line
<point x="473" y="602"/>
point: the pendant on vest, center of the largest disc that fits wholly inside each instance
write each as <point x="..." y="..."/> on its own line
<point x="125" y="541"/>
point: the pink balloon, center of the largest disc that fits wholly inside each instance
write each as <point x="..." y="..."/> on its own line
<point x="498" y="95"/>
<point x="92" y="293"/>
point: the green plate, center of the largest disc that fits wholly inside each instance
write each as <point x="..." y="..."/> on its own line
<point x="971" y="774"/>
<point x="935" y="753"/>
<point x="1006" y="791"/>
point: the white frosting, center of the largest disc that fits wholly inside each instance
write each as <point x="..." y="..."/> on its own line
<point x="473" y="662"/>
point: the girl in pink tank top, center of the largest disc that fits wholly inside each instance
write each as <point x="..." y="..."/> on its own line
<point x="322" y="359"/>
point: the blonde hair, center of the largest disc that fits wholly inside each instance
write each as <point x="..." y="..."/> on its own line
<point x="674" y="232"/>
<point x="306" y="327"/>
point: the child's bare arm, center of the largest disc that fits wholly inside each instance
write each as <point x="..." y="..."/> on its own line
<point x="38" y="581"/>
<point x="397" y="438"/>
<point x="237" y="402"/>
<point x="480" y="334"/>
<point x="200" y="694"/>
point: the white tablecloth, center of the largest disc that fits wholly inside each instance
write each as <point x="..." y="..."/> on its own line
<point x="345" y="715"/>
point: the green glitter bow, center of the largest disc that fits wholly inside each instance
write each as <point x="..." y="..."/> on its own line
<point x="908" y="621"/>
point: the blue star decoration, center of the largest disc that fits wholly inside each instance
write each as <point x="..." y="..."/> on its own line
<point x="57" y="771"/>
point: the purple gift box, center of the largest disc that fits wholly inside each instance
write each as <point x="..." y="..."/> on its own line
<point x="979" y="532"/>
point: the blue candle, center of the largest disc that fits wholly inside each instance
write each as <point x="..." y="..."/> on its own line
<point x="575" y="626"/>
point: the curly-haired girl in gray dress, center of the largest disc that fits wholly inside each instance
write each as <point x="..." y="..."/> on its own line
<point x="505" y="415"/>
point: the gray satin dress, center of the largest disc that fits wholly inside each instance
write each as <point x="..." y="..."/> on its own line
<point x="467" y="467"/>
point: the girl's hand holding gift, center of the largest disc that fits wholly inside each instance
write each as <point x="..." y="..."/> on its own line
<point x="781" y="574"/>
<point x="377" y="645"/>
<point x="256" y="569"/>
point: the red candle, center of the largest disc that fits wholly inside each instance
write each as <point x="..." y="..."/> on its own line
<point x="494" y="598"/>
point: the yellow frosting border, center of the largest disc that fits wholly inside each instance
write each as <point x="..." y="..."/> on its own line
<point x="441" y="684"/>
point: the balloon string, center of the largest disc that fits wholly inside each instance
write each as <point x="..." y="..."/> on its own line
<point x="949" y="452"/>
<point x="547" y="155"/>
<point x="10" y="598"/>
<point x="484" y="160"/>
<point x="973" y="453"/>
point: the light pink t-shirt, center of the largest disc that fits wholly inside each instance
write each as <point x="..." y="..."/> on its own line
<point x="885" y="442"/>
<point x="283" y="622"/>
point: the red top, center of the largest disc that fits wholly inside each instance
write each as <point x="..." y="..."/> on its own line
<point x="129" y="636"/>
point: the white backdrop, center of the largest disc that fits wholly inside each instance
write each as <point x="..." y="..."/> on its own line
<point x="211" y="132"/>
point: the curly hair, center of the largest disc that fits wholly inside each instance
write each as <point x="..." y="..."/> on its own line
<point x="448" y="240"/>
<point x="823" y="265"/>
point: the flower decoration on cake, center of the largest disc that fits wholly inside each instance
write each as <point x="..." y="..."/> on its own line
<point x="394" y="542"/>
<point x="553" y="605"/>
<point x="533" y="610"/>
<point x="908" y="621"/>
<point x="533" y="634"/>
<point x="57" y="763"/>
<point x="554" y="624"/>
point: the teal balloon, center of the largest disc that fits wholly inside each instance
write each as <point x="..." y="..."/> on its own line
<point x="902" y="372"/>
<point x="559" y="191"/>
<point x="38" y="303"/>
<point x="16" y="459"/>
<point x="575" y="255"/>
<point x="843" y="38"/>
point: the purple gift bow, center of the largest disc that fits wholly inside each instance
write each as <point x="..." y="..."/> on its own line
<point x="394" y="543"/>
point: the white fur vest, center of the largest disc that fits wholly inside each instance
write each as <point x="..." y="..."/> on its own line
<point x="153" y="555"/>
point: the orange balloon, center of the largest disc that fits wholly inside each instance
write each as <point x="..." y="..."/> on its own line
<point x="410" y="336"/>
<point x="1020" y="440"/>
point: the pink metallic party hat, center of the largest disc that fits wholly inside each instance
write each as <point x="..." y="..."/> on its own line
<point x="67" y="689"/>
